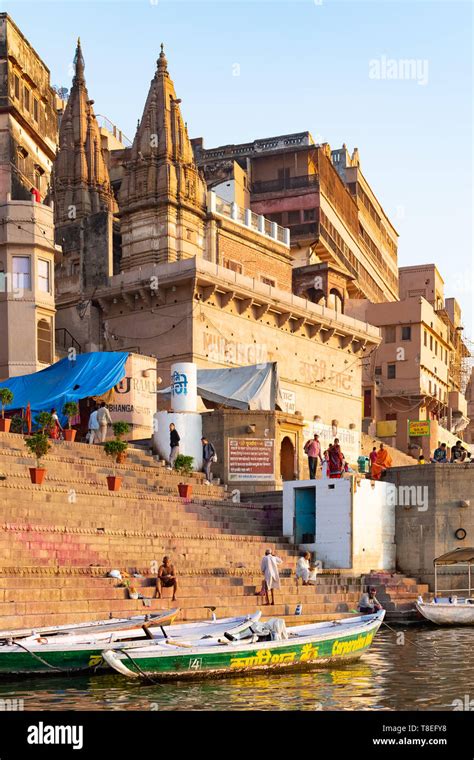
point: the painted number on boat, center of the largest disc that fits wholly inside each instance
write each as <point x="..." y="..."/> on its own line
<point x="195" y="663"/>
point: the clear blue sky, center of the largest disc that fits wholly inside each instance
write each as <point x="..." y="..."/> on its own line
<point x="304" y="65"/>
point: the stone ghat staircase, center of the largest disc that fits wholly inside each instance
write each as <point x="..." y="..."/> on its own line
<point x="59" y="540"/>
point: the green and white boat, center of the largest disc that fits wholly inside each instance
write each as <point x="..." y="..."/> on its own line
<point x="80" y="651"/>
<point x="260" y="647"/>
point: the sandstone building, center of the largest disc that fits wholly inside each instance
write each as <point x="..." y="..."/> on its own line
<point x="28" y="137"/>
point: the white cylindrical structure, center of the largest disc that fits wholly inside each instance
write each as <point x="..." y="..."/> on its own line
<point x="184" y="387"/>
<point x="189" y="427"/>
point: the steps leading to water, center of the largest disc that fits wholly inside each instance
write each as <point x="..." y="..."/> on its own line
<point x="58" y="542"/>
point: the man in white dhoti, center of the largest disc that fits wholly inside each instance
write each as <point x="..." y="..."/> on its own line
<point x="269" y="568"/>
<point x="302" y="568"/>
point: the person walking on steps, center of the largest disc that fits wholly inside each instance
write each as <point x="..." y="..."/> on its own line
<point x="104" y="419"/>
<point x="271" y="576"/>
<point x="174" y="445"/>
<point x="208" y="457"/>
<point x="312" y="449"/>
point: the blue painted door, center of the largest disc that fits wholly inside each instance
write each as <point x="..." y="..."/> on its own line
<point x="305" y="515"/>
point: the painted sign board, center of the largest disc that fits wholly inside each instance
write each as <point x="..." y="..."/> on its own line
<point x="134" y="398"/>
<point x="251" y="459"/>
<point x="418" y="427"/>
<point x="288" y="400"/>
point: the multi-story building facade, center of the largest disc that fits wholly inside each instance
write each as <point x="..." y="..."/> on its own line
<point x="333" y="215"/>
<point x="202" y="278"/>
<point x="28" y="137"/>
<point x="417" y="372"/>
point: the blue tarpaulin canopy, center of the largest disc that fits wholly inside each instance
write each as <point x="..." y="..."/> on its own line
<point x="90" y="374"/>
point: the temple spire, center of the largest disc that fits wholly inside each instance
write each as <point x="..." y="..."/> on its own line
<point x="162" y="63"/>
<point x="79" y="64"/>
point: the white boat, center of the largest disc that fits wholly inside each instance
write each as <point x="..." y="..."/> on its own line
<point x="454" y="609"/>
<point x="445" y="612"/>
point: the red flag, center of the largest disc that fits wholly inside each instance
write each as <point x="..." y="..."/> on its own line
<point x="28" y="417"/>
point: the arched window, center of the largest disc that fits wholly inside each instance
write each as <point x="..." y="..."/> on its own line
<point x="335" y="300"/>
<point x="315" y="296"/>
<point x="45" y="341"/>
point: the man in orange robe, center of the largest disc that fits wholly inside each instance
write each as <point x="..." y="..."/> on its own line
<point x="382" y="462"/>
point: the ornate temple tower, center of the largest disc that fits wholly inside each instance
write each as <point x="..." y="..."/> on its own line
<point x="83" y="196"/>
<point x="163" y="195"/>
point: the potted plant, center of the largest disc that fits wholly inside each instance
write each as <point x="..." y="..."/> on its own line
<point x="70" y="410"/>
<point x="17" y="425"/>
<point x="120" y="429"/>
<point x="6" y="398"/>
<point x="184" y="465"/>
<point x="113" y="449"/>
<point x="39" y="445"/>
<point x="44" y="420"/>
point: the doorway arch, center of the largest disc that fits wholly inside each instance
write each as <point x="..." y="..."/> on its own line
<point x="287" y="459"/>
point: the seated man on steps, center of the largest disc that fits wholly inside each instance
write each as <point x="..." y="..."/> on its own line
<point x="166" y="579"/>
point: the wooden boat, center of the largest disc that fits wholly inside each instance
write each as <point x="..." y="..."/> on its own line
<point x="94" y="626"/>
<point x="452" y="610"/>
<point x="258" y="648"/>
<point x="80" y="652"/>
<point x="445" y="612"/>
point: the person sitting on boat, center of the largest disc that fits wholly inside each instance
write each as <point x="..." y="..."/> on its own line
<point x="166" y="579"/>
<point x="302" y="568"/>
<point x="269" y="568"/>
<point x="368" y="602"/>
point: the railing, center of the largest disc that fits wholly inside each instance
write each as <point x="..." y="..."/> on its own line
<point x="103" y="121"/>
<point x="64" y="340"/>
<point x="285" y="183"/>
<point x="248" y="218"/>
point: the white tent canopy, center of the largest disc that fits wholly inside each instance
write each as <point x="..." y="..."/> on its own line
<point x="254" y="387"/>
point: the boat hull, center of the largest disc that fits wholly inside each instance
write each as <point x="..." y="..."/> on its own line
<point x="447" y="614"/>
<point x="24" y="658"/>
<point x="223" y="661"/>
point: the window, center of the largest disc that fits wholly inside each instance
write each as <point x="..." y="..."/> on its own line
<point x="446" y="355"/>
<point x="406" y="333"/>
<point x="21" y="160"/>
<point x="293" y="217"/>
<point x="26" y="98"/>
<point x="233" y="265"/>
<point x="367" y="403"/>
<point x="378" y="370"/>
<point x="35" y="109"/>
<point x="44" y="269"/>
<point x="16" y="81"/>
<point x="268" y="281"/>
<point x="45" y="342"/>
<point x="21" y="272"/>
<point x="390" y="334"/>
<point x="436" y="348"/>
<point x="431" y="342"/>
<point x="426" y="338"/>
<point x="309" y="214"/>
<point x="391" y="371"/>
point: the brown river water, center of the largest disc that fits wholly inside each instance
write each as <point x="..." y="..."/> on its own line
<point x="422" y="668"/>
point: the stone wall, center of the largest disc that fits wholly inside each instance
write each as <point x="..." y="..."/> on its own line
<point x="440" y="501"/>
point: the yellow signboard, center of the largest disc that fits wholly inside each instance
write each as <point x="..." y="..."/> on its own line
<point x="418" y="427"/>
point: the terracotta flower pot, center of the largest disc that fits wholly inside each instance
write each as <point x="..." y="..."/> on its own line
<point x="70" y="435"/>
<point x="114" y="482"/>
<point x="37" y="475"/>
<point x="5" y="426"/>
<point x="185" y="490"/>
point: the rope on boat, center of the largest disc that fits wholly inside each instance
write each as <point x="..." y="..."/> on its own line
<point x="142" y="673"/>
<point x="44" y="662"/>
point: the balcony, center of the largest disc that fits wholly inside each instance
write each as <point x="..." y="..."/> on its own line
<point x="249" y="219"/>
<point x="285" y="183"/>
<point x="304" y="230"/>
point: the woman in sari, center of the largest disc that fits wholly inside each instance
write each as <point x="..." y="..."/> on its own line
<point x="55" y="428"/>
<point x="382" y="462"/>
<point x="335" y="461"/>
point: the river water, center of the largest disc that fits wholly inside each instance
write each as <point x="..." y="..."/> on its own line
<point x="420" y="668"/>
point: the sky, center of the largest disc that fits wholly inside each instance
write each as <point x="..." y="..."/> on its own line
<point x="247" y="70"/>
